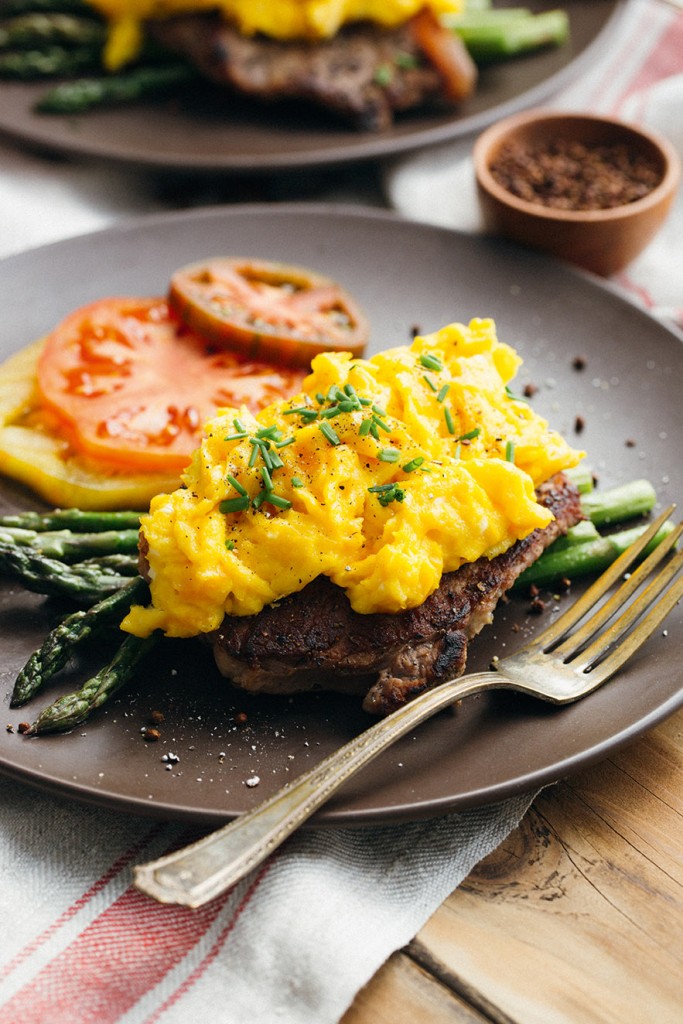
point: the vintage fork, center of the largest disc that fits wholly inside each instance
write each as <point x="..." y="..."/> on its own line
<point x="559" y="666"/>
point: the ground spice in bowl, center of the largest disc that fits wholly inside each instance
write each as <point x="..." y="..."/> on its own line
<point x="567" y="174"/>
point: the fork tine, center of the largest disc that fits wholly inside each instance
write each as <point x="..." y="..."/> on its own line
<point x="598" y="589"/>
<point x="631" y="613"/>
<point x="617" y="601"/>
<point x="645" y="628"/>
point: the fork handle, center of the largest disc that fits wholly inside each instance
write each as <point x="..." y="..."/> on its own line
<point x="197" y="873"/>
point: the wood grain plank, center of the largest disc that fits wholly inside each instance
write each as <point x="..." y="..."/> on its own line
<point x="402" y="992"/>
<point x="578" y="916"/>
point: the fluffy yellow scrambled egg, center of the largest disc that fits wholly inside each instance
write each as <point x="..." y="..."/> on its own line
<point x="280" y="19"/>
<point x="382" y="475"/>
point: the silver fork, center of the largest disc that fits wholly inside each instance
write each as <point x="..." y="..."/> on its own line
<point x="559" y="666"/>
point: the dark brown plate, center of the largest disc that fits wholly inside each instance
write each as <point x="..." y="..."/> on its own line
<point x="405" y="275"/>
<point x="206" y="131"/>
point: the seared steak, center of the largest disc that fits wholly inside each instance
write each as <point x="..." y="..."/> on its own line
<point x="314" y="639"/>
<point x="364" y="74"/>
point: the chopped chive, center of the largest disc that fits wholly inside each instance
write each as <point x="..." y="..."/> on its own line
<point x="444" y="391"/>
<point x="278" y="500"/>
<point x="515" y="398"/>
<point x="266" y="477"/>
<point x="301" y="410"/>
<point x="230" y="545"/>
<point x="275" y="460"/>
<point x="374" y="430"/>
<point x="389" y="455"/>
<point x="267" y="458"/>
<point x="237" y="437"/>
<point x="470" y="435"/>
<point x="273" y="433"/>
<point x="431" y="362"/>
<point x="458" y="449"/>
<point x="380" y="488"/>
<point x="234" y="504"/>
<point x="329" y="433"/>
<point x="510" y="451"/>
<point x="238" y="425"/>
<point x="350" y="391"/>
<point x="448" y="416"/>
<point x="320" y="398"/>
<point x="405" y="60"/>
<point x="383" y="75"/>
<point x="365" y="401"/>
<point x="365" y="427"/>
<point x="413" y="464"/>
<point x="380" y="423"/>
<point x="330" y="412"/>
<point x="378" y="410"/>
<point x="283" y="444"/>
<point x="349" y="404"/>
<point x="236" y="484"/>
<point x="297" y="481"/>
<point x="259" y="499"/>
<point x="254" y="455"/>
<point x="430" y="382"/>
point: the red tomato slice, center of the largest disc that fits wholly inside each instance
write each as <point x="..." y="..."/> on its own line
<point x="447" y="52"/>
<point x="134" y="386"/>
<point x="268" y="310"/>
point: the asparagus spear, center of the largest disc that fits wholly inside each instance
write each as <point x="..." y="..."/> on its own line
<point x="627" y="501"/>
<point x="37" y="29"/>
<point x="75" y="629"/>
<point x="586" y="559"/>
<point x="72" y="547"/>
<point x="50" y="62"/>
<point x="73" y="709"/>
<point x="84" y="584"/>
<point x="86" y="93"/>
<point x="72" y="519"/>
<point x="495" y="34"/>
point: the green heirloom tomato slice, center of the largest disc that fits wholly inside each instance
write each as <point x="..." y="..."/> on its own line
<point x="269" y="311"/>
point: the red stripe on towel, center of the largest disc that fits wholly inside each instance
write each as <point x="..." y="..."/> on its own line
<point x="118" y="865"/>
<point x="121" y="955"/>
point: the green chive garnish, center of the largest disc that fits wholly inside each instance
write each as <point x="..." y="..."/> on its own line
<point x="265" y="476"/>
<point x="510" y="451"/>
<point x="380" y="488"/>
<point x="444" y="391"/>
<point x="297" y="481"/>
<point x="283" y="444"/>
<point x="431" y="362"/>
<point x="430" y="382"/>
<point x="470" y="435"/>
<point x="380" y="423"/>
<point x="330" y="412"/>
<point x="413" y="464"/>
<point x="364" y="428"/>
<point x="389" y="455"/>
<point x="514" y="397"/>
<point x="236" y="437"/>
<point x="234" y="504"/>
<point x="230" y="545"/>
<point x="448" y="416"/>
<point x="238" y="425"/>
<point x="236" y="484"/>
<point x="329" y="433"/>
<point x="254" y="455"/>
<point x="278" y="500"/>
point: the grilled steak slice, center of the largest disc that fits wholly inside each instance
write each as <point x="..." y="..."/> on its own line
<point x="364" y="74"/>
<point x="314" y="639"/>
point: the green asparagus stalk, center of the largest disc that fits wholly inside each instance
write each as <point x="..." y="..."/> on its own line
<point x="498" y="34"/>
<point x="39" y="574"/>
<point x="72" y="547"/>
<point x="38" y="30"/>
<point x="78" y="627"/>
<point x="72" y="519"/>
<point x="581" y="477"/>
<point x="636" y="498"/>
<point x="127" y="87"/>
<point x="590" y="558"/>
<point x="50" y="62"/>
<point x="126" y="565"/>
<point x="74" y="708"/>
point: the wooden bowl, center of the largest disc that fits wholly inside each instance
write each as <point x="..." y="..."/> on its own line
<point x="600" y="240"/>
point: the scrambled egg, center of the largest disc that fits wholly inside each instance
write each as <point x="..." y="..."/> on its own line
<point x="382" y="475"/>
<point x="280" y="19"/>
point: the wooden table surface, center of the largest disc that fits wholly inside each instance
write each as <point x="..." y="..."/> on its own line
<point x="577" y="918"/>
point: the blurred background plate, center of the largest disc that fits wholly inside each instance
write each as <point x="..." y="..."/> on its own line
<point x="210" y="131"/>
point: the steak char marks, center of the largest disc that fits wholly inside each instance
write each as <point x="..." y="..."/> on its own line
<point x="364" y="74"/>
<point x="314" y="639"/>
